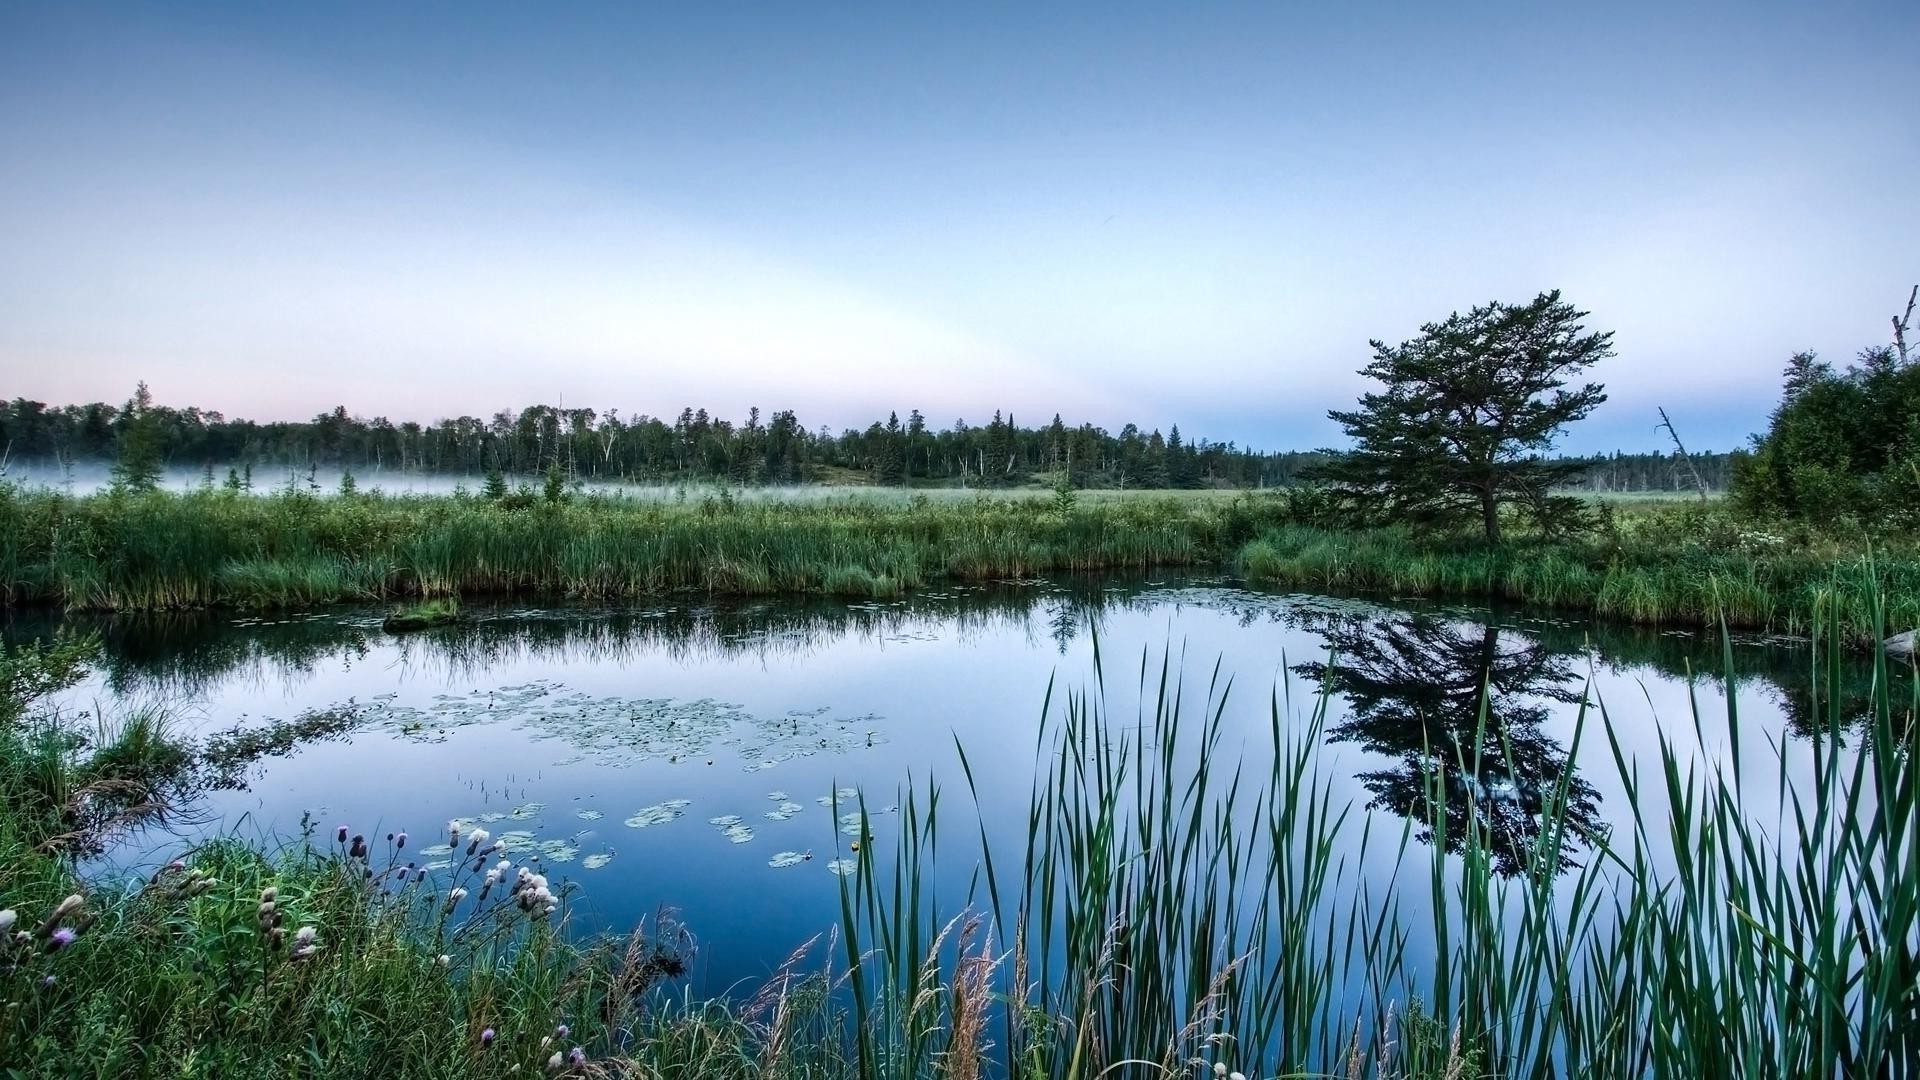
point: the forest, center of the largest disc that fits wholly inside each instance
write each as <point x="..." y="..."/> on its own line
<point x="600" y="446"/>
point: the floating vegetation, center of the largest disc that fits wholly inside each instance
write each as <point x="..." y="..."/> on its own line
<point x="659" y="813"/>
<point x="516" y="840"/>
<point x="843" y="867"/>
<point x="437" y="849"/>
<point x="559" y="850"/>
<point x="463" y="823"/>
<point x="528" y="812"/>
<point x="778" y="796"/>
<point x="588" y="815"/>
<point x="620" y="731"/>
<point x="596" y="861"/>
<point x="787" y="858"/>
<point x="839" y="796"/>
<point x="732" y="828"/>
<point x="492" y="816"/>
<point x="784" y="811"/>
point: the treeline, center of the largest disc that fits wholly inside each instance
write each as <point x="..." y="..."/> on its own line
<point x="592" y="445"/>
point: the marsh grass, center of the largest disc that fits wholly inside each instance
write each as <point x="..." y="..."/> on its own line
<point x="169" y="551"/>
<point x="1653" y="578"/>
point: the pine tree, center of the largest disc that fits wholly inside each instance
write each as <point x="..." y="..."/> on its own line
<point x="495" y="488"/>
<point x="138" y="468"/>
<point x="1465" y="413"/>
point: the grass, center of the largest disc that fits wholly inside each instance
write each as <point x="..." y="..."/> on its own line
<point x="1178" y="898"/>
<point x="1692" y="566"/>
<point x="437" y="612"/>
<point x="177" y="551"/>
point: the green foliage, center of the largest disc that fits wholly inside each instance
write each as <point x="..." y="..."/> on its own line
<point x="1684" y="564"/>
<point x="495" y="488"/>
<point x="1841" y="446"/>
<point x="199" y="549"/>
<point x="1466" y="412"/>
<point x="140" y="463"/>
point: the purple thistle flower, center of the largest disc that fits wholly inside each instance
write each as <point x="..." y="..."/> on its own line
<point x="486" y="1038"/>
<point x="400" y="841"/>
<point x="60" y="939"/>
<point x="577" y="1057"/>
<point x="561" y="1031"/>
<point x="340" y="834"/>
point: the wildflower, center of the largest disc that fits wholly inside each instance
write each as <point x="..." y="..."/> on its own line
<point x="340" y="834"/>
<point x="60" y="939"/>
<point x="498" y="846"/>
<point x="67" y="907"/>
<point x="553" y="1063"/>
<point x="453" y="833"/>
<point x="305" y="935"/>
<point x="562" y="1031"/>
<point x="576" y="1057"/>
<point x="400" y="841"/>
<point x="1220" y="1069"/>
<point x="479" y="837"/>
<point x="359" y="848"/>
<point x="401" y="874"/>
<point x="445" y="961"/>
<point x="269" y="894"/>
<point x="7" y="919"/>
<point x="47" y="983"/>
<point x="486" y="1038"/>
<point x="457" y="895"/>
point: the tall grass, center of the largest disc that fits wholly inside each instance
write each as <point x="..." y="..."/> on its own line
<point x="168" y="551"/>
<point x="1651" y="580"/>
<point x="1180" y="901"/>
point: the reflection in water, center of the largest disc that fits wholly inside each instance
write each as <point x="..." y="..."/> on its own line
<point x="1461" y="706"/>
<point x="1416" y="679"/>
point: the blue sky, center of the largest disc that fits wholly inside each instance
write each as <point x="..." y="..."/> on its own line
<point x="1192" y="214"/>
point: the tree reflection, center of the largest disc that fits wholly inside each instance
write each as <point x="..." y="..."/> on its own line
<point x="1420" y="689"/>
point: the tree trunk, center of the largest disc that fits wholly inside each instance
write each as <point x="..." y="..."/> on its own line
<point x="1490" y="515"/>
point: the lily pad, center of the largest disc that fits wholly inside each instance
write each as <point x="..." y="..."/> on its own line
<point x="657" y="814"/>
<point x="589" y="815"/>
<point x="787" y="858"/>
<point x="843" y="867"/>
<point x="559" y="850"/>
<point x="595" y="862"/>
<point x="528" y="812"/>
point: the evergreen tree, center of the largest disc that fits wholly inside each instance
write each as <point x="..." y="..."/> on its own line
<point x="890" y="466"/>
<point x="347" y="485"/>
<point x="1465" y="413"/>
<point x="555" y="490"/>
<point x="139" y="466"/>
<point x="233" y="479"/>
<point x="495" y="488"/>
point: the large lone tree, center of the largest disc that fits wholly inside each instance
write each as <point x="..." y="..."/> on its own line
<point x="1468" y="410"/>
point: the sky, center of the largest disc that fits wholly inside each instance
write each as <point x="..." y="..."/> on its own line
<point x="1165" y="214"/>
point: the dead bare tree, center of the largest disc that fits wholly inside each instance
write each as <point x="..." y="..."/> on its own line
<point x="1698" y="481"/>
<point x="1902" y="323"/>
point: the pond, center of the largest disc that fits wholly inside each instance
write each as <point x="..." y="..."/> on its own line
<point x="685" y="756"/>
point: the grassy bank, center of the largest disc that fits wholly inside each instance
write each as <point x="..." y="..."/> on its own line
<point x="1675" y="566"/>
<point x="1657" y="563"/>
<point x="1170" y="906"/>
<point x="162" y="551"/>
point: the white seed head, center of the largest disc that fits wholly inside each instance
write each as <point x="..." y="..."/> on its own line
<point x="304" y="936"/>
<point x="7" y="919"/>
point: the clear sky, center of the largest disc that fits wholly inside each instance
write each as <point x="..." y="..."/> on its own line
<point x="1169" y="213"/>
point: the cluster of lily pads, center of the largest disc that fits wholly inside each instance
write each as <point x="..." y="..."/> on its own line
<point x="622" y="731"/>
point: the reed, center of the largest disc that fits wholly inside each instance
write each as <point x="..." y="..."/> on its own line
<point x="1639" y="579"/>
<point x="173" y="551"/>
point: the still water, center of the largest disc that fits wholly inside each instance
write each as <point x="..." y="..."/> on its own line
<point x="684" y="756"/>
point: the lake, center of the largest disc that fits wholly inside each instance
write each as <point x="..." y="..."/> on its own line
<point x="685" y="755"/>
